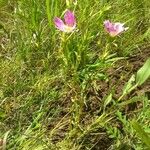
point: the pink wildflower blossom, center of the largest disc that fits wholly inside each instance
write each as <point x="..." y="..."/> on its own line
<point x="69" y="23"/>
<point x="114" y="29"/>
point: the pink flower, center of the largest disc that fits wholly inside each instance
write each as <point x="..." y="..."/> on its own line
<point x="69" y="23"/>
<point x="114" y="29"/>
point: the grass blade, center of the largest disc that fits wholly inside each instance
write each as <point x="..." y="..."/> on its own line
<point x="144" y="73"/>
<point x="141" y="133"/>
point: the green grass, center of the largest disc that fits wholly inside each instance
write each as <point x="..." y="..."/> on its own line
<point x="51" y="83"/>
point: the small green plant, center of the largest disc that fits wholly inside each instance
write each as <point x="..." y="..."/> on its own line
<point x="71" y="84"/>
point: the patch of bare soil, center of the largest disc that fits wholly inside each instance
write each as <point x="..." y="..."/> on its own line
<point x="118" y="76"/>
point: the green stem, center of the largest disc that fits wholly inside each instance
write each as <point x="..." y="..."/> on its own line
<point x="48" y="12"/>
<point x="63" y="50"/>
<point x="131" y="89"/>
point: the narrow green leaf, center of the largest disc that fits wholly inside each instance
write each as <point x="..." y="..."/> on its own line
<point x="5" y="140"/>
<point x="48" y="12"/>
<point x="108" y="100"/>
<point x="144" y="73"/>
<point x="141" y="133"/>
<point x="129" y="85"/>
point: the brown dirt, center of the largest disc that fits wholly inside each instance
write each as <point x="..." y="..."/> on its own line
<point x="118" y="76"/>
<point x="127" y="68"/>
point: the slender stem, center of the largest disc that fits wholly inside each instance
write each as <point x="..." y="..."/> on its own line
<point x="131" y="89"/>
<point x="63" y="50"/>
<point x="48" y="12"/>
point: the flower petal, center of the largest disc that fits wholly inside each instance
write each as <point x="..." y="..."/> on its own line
<point x="70" y="18"/>
<point x="119" y="27"/>
<point x="107" y="23"/>
<point x="114" y="29"/>
<point x="59" y="24"/>
<point x="109" y="26"/>
<point x="68" y="29"/>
